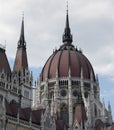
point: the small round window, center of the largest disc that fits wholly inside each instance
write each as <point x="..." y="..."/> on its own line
<point x="75" y="94"/>
<point x="63" y="93"/>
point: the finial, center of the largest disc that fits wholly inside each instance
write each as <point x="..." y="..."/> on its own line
<point x="109" y="106"/>
<point x="5" y="45"/>
<point x="22" y="15"/>
<point x="67" y="7"/>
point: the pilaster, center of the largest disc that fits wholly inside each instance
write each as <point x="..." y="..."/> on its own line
<point x="70" y="100"/>
<point x="98" y="88"/>
<point x="109" y="113"/>
<point x="82" y="86"/>
<point x="52" y="107"/>
<point x="56" y="95"/>
<point x="92" y="101"/>
<point x="45" y="102"/>
<point x="37" y="93"/>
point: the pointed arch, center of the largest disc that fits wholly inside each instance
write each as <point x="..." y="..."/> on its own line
<point x="64" y="113"/>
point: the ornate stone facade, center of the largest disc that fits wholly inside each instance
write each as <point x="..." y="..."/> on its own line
<point x="67" y="94"/>
<point x="69" y="86"/>
<point x="12" y="117"/>
<point x="16" y="112"/>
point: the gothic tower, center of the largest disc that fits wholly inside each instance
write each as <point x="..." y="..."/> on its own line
<point x="22" y="79"/>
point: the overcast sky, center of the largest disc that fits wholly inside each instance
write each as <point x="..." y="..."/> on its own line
<point x="91" y="22"/>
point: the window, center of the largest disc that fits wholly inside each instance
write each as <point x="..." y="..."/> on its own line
<point x="75" y="82"/>
<point x="64" y="113"/>
<point x="14" y="89"/>
<point x="86" y="94"/>
<point x="63" y="93"/>
<point x="26" y="94"/>
<point x="95" y="109"/>
<point x="75" y="94"/>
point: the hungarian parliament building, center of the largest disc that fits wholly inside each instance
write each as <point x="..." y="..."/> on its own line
<point x="67" y="93"/>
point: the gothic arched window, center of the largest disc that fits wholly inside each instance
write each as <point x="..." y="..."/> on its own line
<point x="51" y="94"/>
<point x="64" y="113"/>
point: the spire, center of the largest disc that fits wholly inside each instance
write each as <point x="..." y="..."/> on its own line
<point x="21" y="42"/>
<point x="67" y="37"/>
<point x="21" y="62"/>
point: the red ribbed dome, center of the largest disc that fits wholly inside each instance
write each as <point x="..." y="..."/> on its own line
<point x="67" y="57"/>
<point x="63" y="59"/>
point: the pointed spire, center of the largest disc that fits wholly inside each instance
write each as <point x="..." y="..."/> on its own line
<point x="21" y="62"/>
<point x="21" y="42"/>
<point x="67" y="37"/>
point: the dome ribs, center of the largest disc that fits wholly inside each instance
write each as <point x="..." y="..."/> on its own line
<point x="58" y="65"/>
<point x="63" y="60"/>
<point x="69" y="61"/>
<point x="87" y="66"/>
<point x="54" y="65"/>
<point x="48" y="72"/>
<point x="45" y="68"/>
<point x="64" y="64"/>
<point x="84" y="66"/>
<point x="79" y="63"/>
<point x="75" y="65"/>
<point x="90" y="68"/>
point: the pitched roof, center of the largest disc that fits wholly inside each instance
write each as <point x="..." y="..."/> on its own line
<point x="4" y="64"/>
<point x="112" y="127"/>
<point x="25" y="114"/>
<point x="60" y="125"/>
<point x="99" y="126"/>
<point x="80" y="114"/>
<point x="36" y="116"/>
<point x="21" y="62"/>
<point x="12" y="109"/>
